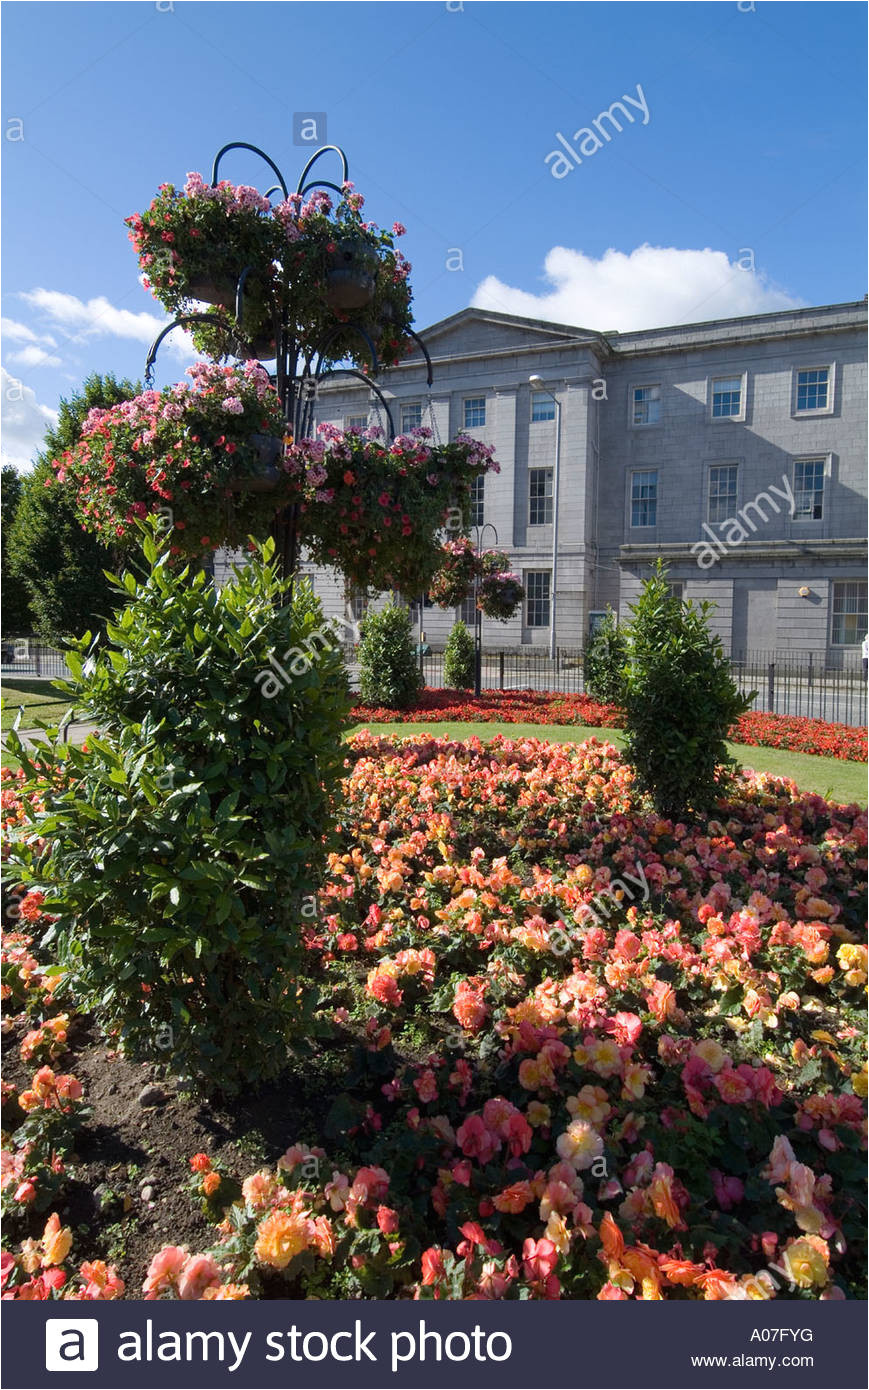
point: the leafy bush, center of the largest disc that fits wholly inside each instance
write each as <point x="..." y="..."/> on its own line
<point x="679" y="700"/>
<point x="459" y="659"/>
<point x="605" y="659"/>
<point x="389" y="668"/>
<point x="187" y="836"/>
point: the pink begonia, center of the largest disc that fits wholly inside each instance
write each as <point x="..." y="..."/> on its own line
<point x="198" y="1274"/>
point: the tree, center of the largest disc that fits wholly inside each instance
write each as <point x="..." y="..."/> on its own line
<point x="605" y="659"/>
<point x="60" y="565"/>
<point x="679" y="699"/>
<point x="459" y="659"/>
<point x="16" y="618"/>
<point x="389" y="670"/>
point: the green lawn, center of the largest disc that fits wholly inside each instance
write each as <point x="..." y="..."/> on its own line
<point x="40" y="700"/>
<point x="831" y="777"/>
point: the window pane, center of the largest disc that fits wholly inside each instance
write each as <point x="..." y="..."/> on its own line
<point x="537" y="598"/>
<point x="644" y="499"/>
<point x="726" y="397"/>
<point x="849" y="612"/>
<point x="646" y="405"/>
<point x="542" y="407"/>
<point x="475" y="412"/>
<point x="808" y="489"/>
<point x="540" y="497"/>
<point x="411" y="417"/>
<point x="356" y="422"/>
<point x="467" y="611"/>
<point x="477" y="499"/>
<point x="722" y="492"/>
<point x="812" y="388"/>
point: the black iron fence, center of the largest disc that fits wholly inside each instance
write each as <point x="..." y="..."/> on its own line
<point x="23" y="656"/>
<point x="786" y="683"/>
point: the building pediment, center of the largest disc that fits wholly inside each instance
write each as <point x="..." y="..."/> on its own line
<point x="485" y="331"/>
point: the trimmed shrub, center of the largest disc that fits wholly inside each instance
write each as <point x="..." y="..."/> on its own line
<point x="389" y="666"/>
<point x="605" y="659"/>
<point x="187" y="837"/>
<point x="459" y="659"/>
<point x="679" y="700"/>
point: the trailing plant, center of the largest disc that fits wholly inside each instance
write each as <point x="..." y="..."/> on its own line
<point x="186" y="837"/>
<point x="389" y="669"/>
<point x="605" y="658"/>
<point x="680" y="701"/>
<point x="192" y="453"/>
<point x="375" y="511"/>
<point x="463" y="573"/>
<point x="316" y="260"/>
<point x="459" y="659"/>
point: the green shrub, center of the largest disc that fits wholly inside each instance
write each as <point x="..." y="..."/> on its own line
<point x="459" y="659"/>
<point x="679" y="701"/>
<point x="605" y="659"/>
<point x="183" y="846"/>
<point x="389" y="667"/>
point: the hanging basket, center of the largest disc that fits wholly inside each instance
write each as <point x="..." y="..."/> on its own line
<point x="350" y="282"/>
<point x="268" y="448"/>
<point x="213" y="289"/>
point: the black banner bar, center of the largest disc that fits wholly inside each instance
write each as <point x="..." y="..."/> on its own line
<point x="258" y="1345"/>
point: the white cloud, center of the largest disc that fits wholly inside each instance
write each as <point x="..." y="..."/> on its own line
<point x="20" y="333"/>
<point x="80" y="321"/>
<point x="93" y="317"/>
<point x="33" y="356"/>
<point x="24" y="421"/>
<point x="651" y="287"/>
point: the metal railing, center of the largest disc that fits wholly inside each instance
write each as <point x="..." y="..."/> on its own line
<point x="786" y="683"/>
<point x="23" y="656"/>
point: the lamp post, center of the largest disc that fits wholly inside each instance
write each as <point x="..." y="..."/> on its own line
<point x="300" y="364"/>
<point x="537" y="384"/>
<point x="479" y="532"/>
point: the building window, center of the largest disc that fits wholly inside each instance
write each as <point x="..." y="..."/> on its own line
<point x="644" y="498"/>
<point x="808" y="489"/>
<point x="414" y="607"/>
<point x="540" y="497"/>
<point x="537" y="598"/>
<point x="676" y="588"/>
<point x="355" y="422"/>
<point x="646" y="405"/>
<point x="467" y="611"/>
<point x="411" y="416"/>
<point x="727" y="398"/>
<point x="475" y="412"/>
<point x="478" y="487"/>
<point x="813" y="390"/>
<point x="722" y="491"/>
<point x="542" y="407"/>
<point x="849" y="612"/>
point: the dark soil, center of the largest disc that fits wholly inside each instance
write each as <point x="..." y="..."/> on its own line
<point x="125" y="1147"/>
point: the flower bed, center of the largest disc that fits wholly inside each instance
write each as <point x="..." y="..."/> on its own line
<point x="799" y="735"/>
<point x="584" y="1052"/>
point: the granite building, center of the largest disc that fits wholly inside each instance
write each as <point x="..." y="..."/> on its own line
<point x="735" y="449"/>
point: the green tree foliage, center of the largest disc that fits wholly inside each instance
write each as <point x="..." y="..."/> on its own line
<point x="185" y="844"/>
<point x="16" y="618"/>
<point x="389" y="667"/>
<point x="679" y="699"/>
<point x="60" y="564"/>
<point x="459" y="659"/>
<point x="605" y="659"/>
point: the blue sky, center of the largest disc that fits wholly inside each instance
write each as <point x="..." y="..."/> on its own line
<point x="741" y="170"/>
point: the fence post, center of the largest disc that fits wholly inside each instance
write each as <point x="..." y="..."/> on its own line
<point x="36" y="650"/>
<point x="500" y="670"/>
<point x="811" y="673"/>
<point x="770" y="688"/>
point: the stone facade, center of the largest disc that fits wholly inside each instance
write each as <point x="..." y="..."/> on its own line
<point x="736" y="449"/>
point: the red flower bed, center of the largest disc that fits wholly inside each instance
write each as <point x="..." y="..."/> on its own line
<point x="798" y="734"/>
<point x="497" y="706"/>
<point x="802" y="735"/>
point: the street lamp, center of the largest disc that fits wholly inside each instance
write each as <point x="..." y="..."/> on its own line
<point x="537" y="384"/>
<point x="479" y="533"/>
